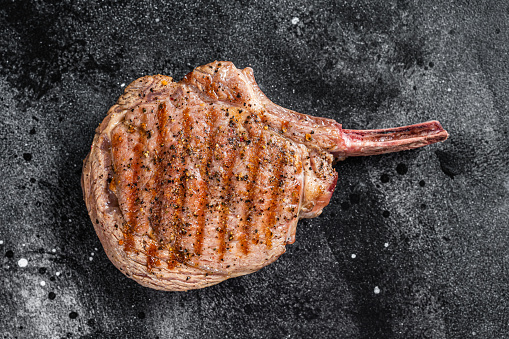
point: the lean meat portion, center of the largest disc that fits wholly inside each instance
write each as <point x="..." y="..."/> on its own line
<point x="193" y="182"/>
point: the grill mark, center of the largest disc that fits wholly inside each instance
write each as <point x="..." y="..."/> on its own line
<point x="204" y="187"/>
<point x="161" y="183"/>
<point x="143" y="225"/>
<point x="171" y="189"/>
<point x="254" y="167"/>
<point x="157" y="194"/>
<point x="129" y="192"/>
<point x="177" y="219"/>
<point x="133" y="193"/>
<point x="271" y="217"/>
<point x="158" y="188"/>
<point x="225" y="201"/>
<point x="133" y="196"/>
<point x="116" y="143"/>
<point x="135" y="206"/>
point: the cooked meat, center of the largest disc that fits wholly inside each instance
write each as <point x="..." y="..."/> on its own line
<point x="190" y="183"/>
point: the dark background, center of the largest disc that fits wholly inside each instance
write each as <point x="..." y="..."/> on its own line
<point x="428" y="227"/>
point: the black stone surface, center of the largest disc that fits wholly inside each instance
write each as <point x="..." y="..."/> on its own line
<point x="427" y="229"/>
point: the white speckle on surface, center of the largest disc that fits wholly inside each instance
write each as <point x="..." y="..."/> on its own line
<point x="42" y="283"/>
<point x="57" y="274"/>
<point x="386" y="244"/>
<point x="23" y="245"/>
<point x="354" y="256"/>
<point x="122" y="85"/>
<point x="96" y="249"/>
<point x="22" y="262"/>
<point x="449" y="89"/>
<point x="54" y="250"/>
<point x="92" y="253"/>
<point x="295" y="20"/>
<point x="376" y="290"/>
<point x="1" y="242"/>
<point x="157" y="19"/>
<point x="90" y="258"/>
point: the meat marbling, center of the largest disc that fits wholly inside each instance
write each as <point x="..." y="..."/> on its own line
<point x="193" y="182"/>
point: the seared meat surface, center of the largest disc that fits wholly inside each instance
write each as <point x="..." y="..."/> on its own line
<point x="190" y="183"/>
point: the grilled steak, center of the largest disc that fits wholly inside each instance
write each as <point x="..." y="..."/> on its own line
<point x="190" y="183"/>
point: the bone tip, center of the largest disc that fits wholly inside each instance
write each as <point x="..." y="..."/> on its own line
<point x="442" y="134"/>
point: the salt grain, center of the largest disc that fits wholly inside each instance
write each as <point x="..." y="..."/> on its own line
<point x="90" y="258"/>
<point x="42" y="283"/>
<point x="295" y="21"/>
<point x="386" y="244"/>
<point x="22" y="262"/>
<point x="1" y="242"/>
<point x="122" y="85"/>
<point x="354" y="256"/>
<point x="57" y="274"/>
<point x="377" y="290"/>
<point x="54" y="250"/>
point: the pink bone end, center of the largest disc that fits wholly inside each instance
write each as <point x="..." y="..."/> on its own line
<point x="379" y="141"/>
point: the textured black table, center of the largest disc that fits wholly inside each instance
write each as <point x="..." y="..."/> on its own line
<point x="413" y="244"/>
